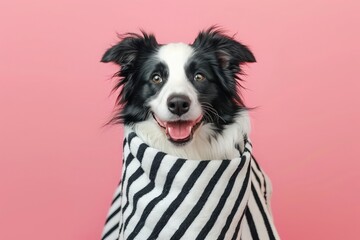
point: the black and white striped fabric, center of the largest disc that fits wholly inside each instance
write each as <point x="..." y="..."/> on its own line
<point x="165" y="197"/>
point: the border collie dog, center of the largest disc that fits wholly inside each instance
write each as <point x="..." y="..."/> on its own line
<point x="182" y="98"/>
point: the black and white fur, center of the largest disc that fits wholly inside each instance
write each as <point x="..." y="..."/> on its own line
<point x="196" y="84"/>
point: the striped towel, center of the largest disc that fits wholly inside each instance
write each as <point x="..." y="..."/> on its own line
<point x="166" y="197"/>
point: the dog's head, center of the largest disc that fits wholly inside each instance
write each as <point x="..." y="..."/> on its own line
<point x="180" y="86"/>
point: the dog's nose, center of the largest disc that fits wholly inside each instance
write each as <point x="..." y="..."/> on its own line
<point x="178" y="104"/>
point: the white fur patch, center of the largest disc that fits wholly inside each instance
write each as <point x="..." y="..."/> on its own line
<point x="206" y="144"/>
<point x="175" y="56"/>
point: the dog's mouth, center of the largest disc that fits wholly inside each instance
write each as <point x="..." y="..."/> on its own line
<point x="179" y="132"/>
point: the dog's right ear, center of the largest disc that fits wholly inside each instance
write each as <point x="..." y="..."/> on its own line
<point x="127" y="50"/>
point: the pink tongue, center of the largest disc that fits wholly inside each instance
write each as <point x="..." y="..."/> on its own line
<point x="179" y="130"/>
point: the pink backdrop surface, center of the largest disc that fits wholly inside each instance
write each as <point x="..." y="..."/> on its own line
<point x="59" y="167"/>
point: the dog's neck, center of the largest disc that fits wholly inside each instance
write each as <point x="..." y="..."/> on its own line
<point x="206" y="143"/>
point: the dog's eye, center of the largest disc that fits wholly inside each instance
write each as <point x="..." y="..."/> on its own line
<point x="156" y="78"/>
<point x="199" y="77"/>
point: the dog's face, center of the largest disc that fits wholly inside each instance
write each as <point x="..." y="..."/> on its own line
<point x="180" y="86"/>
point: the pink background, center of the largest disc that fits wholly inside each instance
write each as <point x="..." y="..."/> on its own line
<point x="59" y="167"/>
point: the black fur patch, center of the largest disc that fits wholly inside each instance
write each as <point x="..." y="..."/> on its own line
<point x="135" y="55"/>
<point x="219" y="58"/>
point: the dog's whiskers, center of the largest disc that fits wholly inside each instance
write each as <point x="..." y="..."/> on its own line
<point x="209" y="108"/>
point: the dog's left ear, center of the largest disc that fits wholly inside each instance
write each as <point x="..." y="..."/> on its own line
<point x="229" y="52"/>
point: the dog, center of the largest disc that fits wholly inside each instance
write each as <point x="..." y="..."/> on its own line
<point x="181" y="103"/>
<point x="180" y="98"/>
